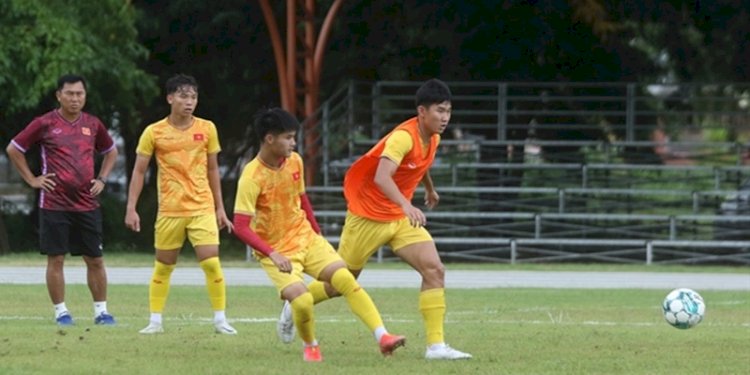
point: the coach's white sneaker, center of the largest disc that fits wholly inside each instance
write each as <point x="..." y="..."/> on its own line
<point x="285" y="325"/>
<point x="224" y="328"/>
<point x="152" y="328"/>
<point x="443" y="351"/>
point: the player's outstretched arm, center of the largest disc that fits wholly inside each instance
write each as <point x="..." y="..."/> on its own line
<point x="97" y="184"/>
<point x="431" y="197"/>
<point x="250" y="238"/>
<point x="214" y="181"/>
<point x="384" y="181"/>
<point x="18" y="158"/>
<point x="132" y="220"/>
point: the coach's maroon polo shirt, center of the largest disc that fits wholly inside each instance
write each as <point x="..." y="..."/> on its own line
<point x="68" y="151"/>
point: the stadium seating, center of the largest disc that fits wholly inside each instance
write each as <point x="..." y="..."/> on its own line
<point x="508" y="194"/>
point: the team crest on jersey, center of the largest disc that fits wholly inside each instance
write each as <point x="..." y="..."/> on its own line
<point x="197" y="137"/>
<point x="295" y="176"/>
<point x="86" y="131"/>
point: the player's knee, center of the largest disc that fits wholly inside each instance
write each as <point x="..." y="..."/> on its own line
<point x="303" y="302"/>
<point x="331" y="292"/>
<point x="163" y="270"/>
<point x="343" y="281"/>
<point x="211" y="265"/>
<point x="94" y="262"/>
<point x="434" y="272"/>
<point x="55" y="262"/>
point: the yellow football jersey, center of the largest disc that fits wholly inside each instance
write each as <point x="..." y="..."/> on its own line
<point x="272" y="197"/>
<point x="182" y="160"/>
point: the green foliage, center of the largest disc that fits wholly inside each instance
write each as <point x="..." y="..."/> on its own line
<point x="94" y="38"/>
<point x="509" y="331"/>
<point x="224" y="45"/>
<point x="477" y="40"/>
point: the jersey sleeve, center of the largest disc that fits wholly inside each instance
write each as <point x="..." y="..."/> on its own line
<point x="248" y="191"/>
<point x="213" y="139"/>
<point x="398" y="144"/>
<point x="29" y="136"/>
<point x="146" y="143"/>
<point x="300" y="182"/>
<point x="104" y="142"/>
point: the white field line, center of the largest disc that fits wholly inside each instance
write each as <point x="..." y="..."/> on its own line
<point x="552" y="319"/>
<point x="455" y="279"/>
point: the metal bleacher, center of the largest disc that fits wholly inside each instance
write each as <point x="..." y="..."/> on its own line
<point x="586" y="199"/>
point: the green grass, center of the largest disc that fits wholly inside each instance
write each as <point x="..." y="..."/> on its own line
<point x="187" y="258"/>
<point x="509" y="331"/>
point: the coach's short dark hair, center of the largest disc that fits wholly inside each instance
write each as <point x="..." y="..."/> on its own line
<point x="70" y="78"/>
<point x="274" y="121"/>
<point x="181" y="80"/>
<point x="432" y="92"/>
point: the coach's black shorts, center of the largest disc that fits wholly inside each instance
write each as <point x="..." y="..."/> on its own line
<point x="77" y="233"/>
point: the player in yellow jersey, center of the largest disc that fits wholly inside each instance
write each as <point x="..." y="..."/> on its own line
<point x="273" y="215"/>
<point x="190" y="202"/>
<point x="379" y="188"/>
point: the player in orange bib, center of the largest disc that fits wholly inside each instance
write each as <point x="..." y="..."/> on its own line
<point x="273" y="215"/>
<point x="378" y="188"/>
<point x="190" y="204"/>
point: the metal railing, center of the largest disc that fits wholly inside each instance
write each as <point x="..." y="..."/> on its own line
<point x="521" y="122"/>
<point x="563" y="171"/>
<point x="525" y="250"/>
<point x="563" y="200"/>
<point x="564" y="175"/>
<point x="534" y="151"/>
<point x="485" y="225"/>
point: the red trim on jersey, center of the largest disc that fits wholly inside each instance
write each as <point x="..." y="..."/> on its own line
<point x="248" y="236"/>
<point x="307" y="207"/>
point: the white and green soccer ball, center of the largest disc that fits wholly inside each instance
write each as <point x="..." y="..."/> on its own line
<point x="684" y="308"/>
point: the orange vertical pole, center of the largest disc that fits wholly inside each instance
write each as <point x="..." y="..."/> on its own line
<point x="291" y="54"/>
<point x="300" y="86"/>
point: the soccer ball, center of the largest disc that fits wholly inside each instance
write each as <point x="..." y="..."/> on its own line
<point x="683" y="308"/>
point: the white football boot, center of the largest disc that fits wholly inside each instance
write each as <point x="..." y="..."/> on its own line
<point x="443" y="351"/>
<point x="285" y="326"/>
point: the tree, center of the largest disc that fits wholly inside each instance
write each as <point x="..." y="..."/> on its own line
<point x="701" y="40"/>
<point x="223" y="44"/>
<point x="95" y="38"/>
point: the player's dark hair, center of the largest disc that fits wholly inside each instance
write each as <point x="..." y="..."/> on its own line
<point x="274" y="121"/>
<point x="432" y="92"/>
<point x="180" y="80"/>
<point x="70" y="78"/>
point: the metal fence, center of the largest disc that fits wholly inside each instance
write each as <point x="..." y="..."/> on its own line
<point x="620" y="172"/>
<point x="517" y="122"/>
<point x="577" y="175"/>
<point x="525" y="250"/>
<point x="567" y="200"/>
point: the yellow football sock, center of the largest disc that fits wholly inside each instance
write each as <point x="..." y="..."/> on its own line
<point x="432" y="307"/>
<point x="318" y="291"/>
<point x="158" y="288"/>
<point x="217" y="291"/>
<point x="359" y="301"/>
<point x="303" y="316"/>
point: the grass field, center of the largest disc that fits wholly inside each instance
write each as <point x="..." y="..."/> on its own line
<point x="509" y="331"/>
<point x="187" y="258"/>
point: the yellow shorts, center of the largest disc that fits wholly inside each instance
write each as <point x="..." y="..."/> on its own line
<point x="311" y="260"/>
<point x="170" y="232"/>
<point x="361" y="237"/>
